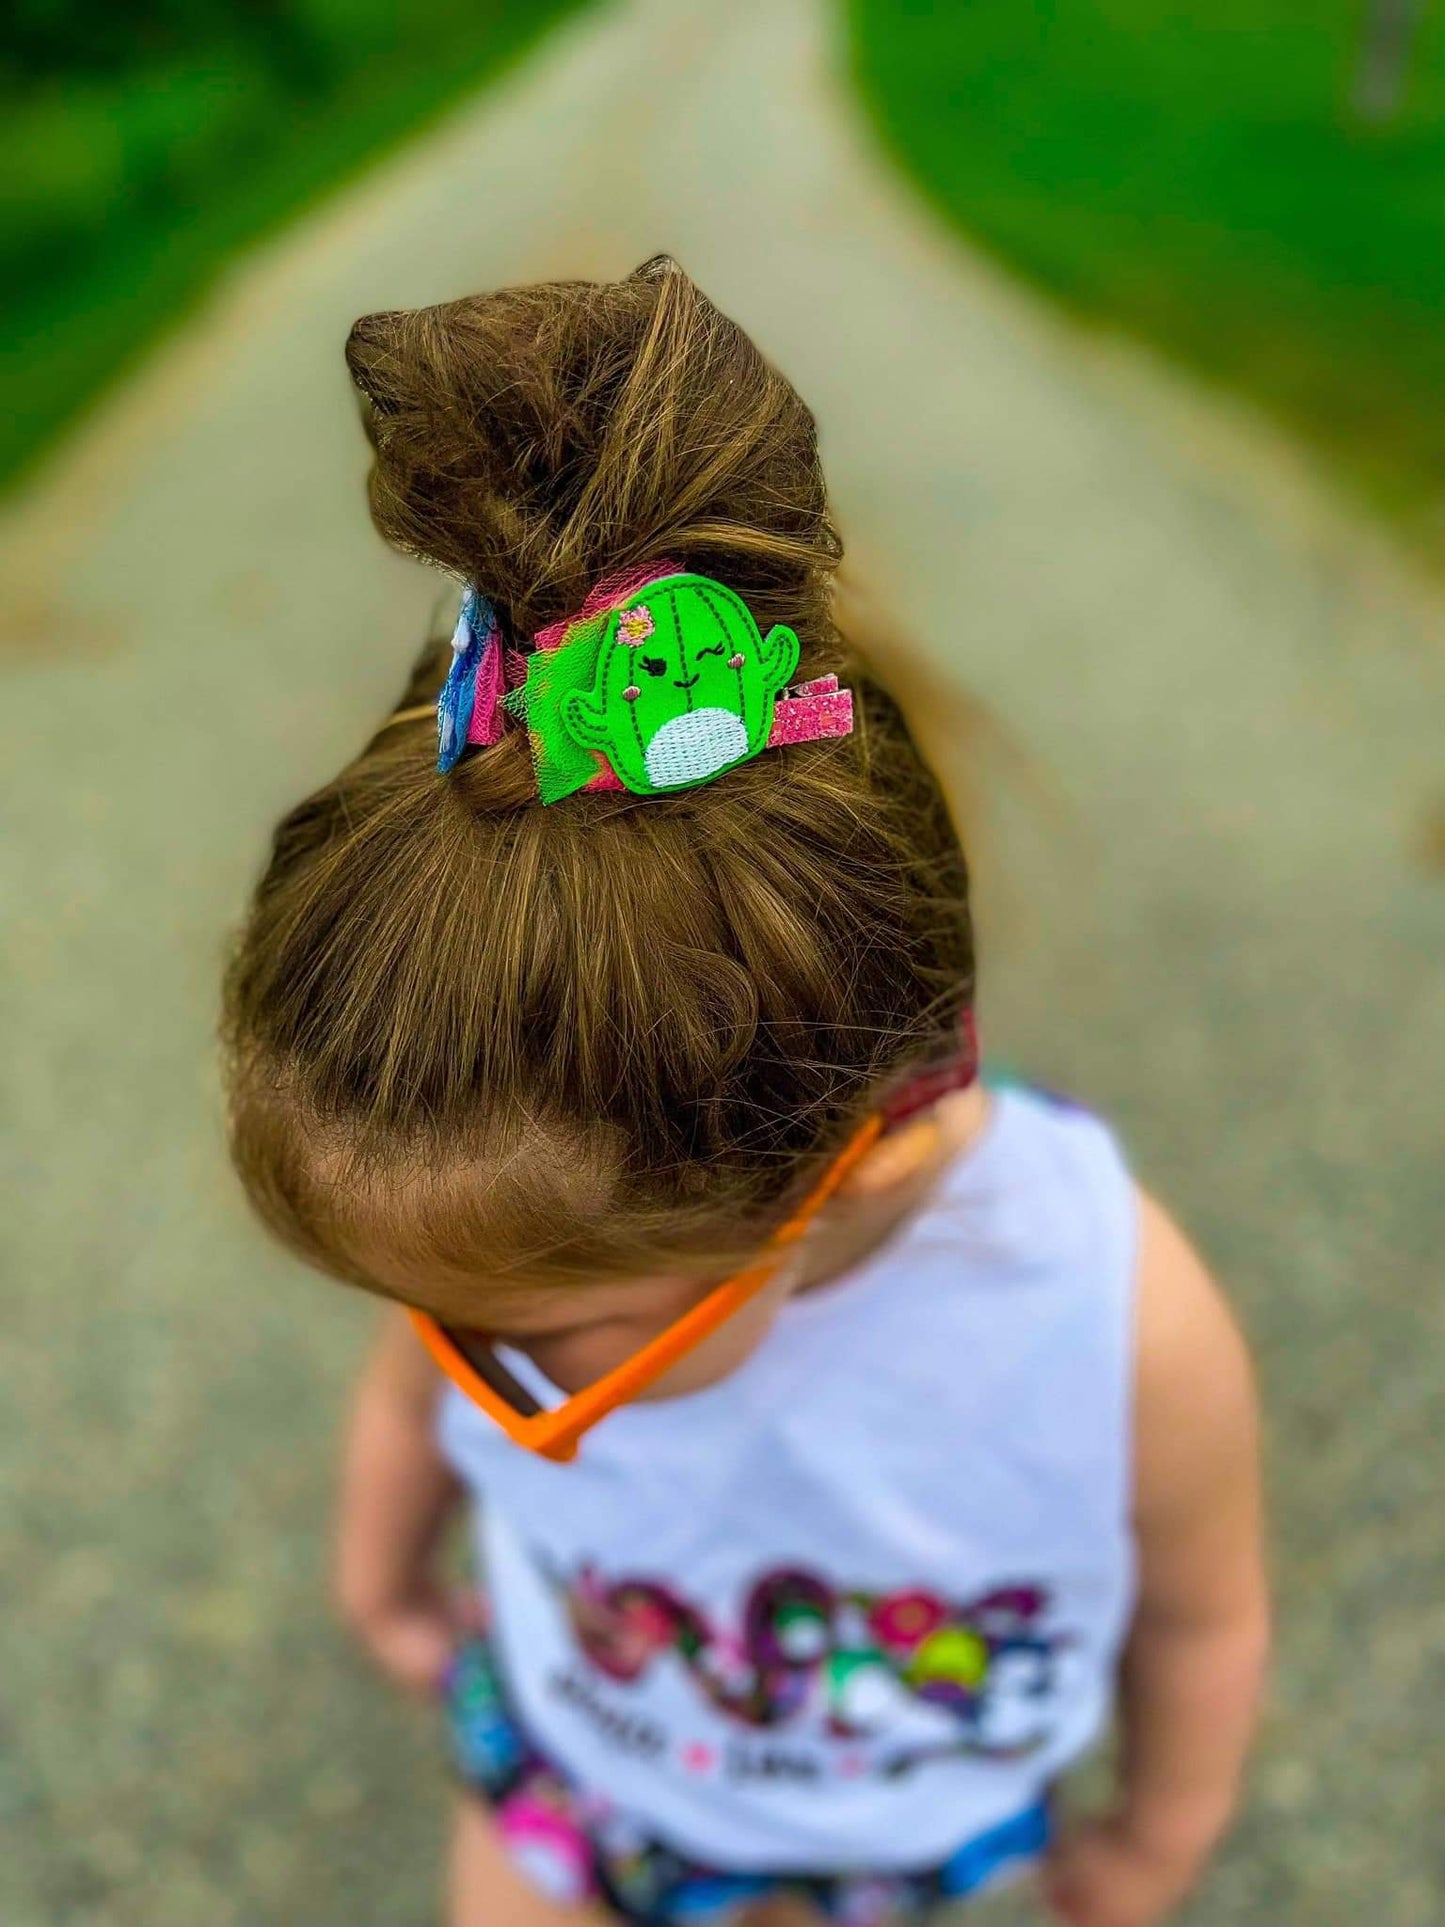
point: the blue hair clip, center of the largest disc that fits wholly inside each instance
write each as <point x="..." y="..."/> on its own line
<point x="475" y="633"/>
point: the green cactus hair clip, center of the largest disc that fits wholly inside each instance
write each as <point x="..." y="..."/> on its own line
<point x="669" y="688"/>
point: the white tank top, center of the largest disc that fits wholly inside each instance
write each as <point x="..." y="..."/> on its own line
<point x="860" y="1601"/>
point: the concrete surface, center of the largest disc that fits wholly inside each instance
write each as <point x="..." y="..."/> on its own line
<point x="1207" y="907"/>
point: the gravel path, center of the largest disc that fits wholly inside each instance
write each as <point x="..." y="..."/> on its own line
<point x="1208" y="906"/>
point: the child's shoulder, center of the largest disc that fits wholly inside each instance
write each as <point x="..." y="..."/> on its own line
<point x="1066" y="1200"/>
<point x="1050" y="1179"/>
<point x="1068" y="1171"/>
<point x="1050" y="1131"/>
<point x="1195" y="1397"/>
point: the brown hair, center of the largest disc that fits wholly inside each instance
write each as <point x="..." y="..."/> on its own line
<point x="618" y="1035"/>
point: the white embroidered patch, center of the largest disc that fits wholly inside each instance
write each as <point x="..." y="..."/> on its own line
<point x="691" y="748"/>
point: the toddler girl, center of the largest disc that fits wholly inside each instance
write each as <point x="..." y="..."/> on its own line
<point x="843" y="1436"/>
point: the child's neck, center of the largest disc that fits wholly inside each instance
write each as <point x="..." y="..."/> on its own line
<point x="905" y="1171"/>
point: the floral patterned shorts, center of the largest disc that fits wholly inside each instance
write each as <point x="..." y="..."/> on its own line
<point x="575" y="1847"/>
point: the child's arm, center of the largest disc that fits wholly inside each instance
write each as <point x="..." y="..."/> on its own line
<point x="396" y="1497"/>
<point x="1196" y="1650"/>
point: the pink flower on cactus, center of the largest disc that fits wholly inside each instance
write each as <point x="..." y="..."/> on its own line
<point x="901" y="1620"/>
<point x="635" y="626"/>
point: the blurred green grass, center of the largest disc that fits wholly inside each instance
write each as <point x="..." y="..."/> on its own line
<point x="1201" y="177"/>
<point x="142" y="146"/>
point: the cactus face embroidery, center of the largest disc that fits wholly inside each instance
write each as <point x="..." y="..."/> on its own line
<point x="682" y="685"/>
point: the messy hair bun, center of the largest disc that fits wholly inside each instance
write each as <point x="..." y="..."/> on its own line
<point x="535" y="439"/>
<point x="618" y="1035"/>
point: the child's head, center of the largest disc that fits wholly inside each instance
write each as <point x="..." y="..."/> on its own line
<point x="517" y="1044"/>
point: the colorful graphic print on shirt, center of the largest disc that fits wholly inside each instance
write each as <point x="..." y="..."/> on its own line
<point x="905" y="1676"/>
<point x="576" y="1845"/>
